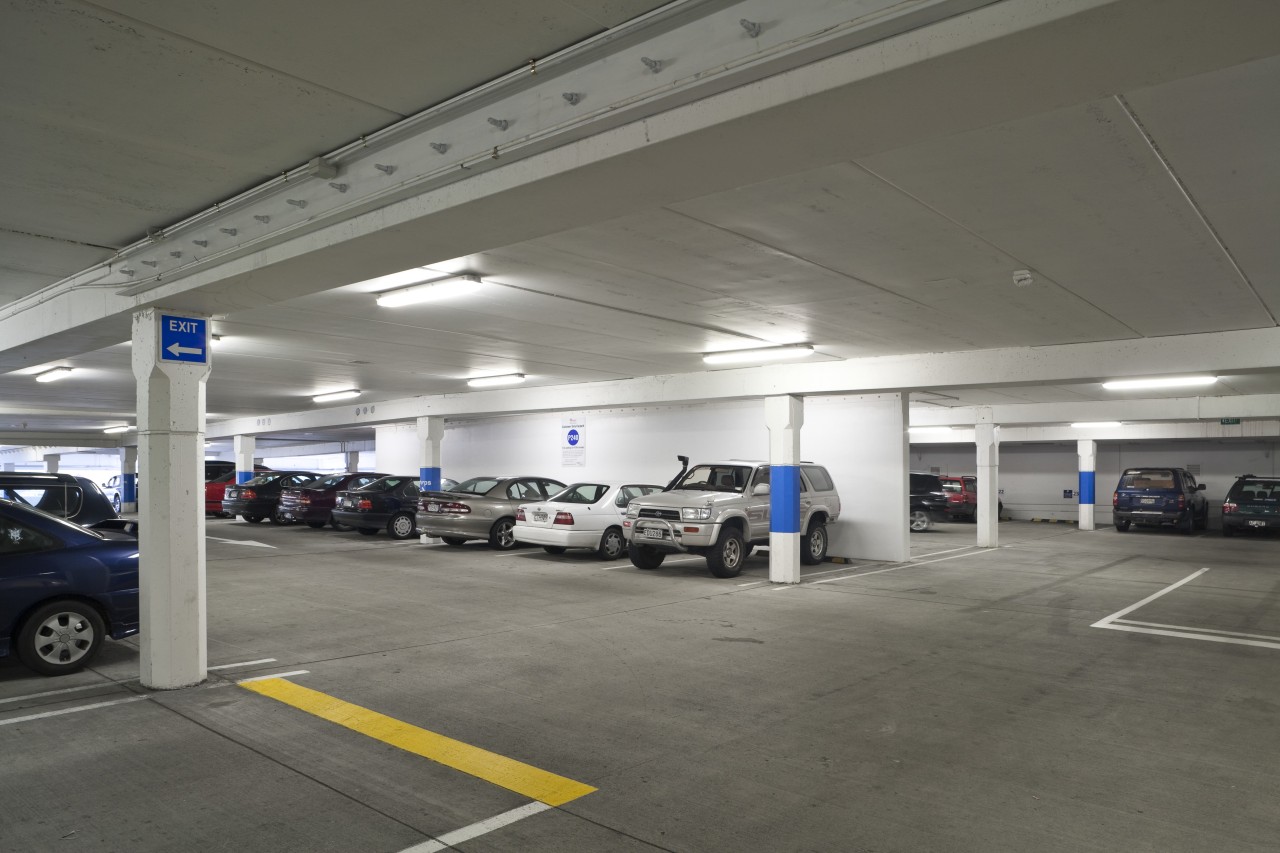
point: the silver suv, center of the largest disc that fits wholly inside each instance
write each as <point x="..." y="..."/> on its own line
<point x="721" y="510"/>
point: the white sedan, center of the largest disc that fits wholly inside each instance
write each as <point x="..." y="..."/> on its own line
<point x="584" y="515"/>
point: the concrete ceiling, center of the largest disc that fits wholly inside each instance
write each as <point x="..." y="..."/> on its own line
<point x="1143" y="212"/>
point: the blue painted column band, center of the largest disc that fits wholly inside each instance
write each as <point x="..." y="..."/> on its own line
<point x="429" y="479"/>
<point x="784" y="499"/>
<point x="1086" y="487"/>
<point x="244" y="476"/>
<point x="129" y="488"/>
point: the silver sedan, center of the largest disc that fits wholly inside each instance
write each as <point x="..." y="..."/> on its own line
<point x="481" y="508"/>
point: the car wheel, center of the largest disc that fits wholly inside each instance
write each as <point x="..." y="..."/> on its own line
<point x="401" y="526"/>
<point x="553" y="549"/>
<point x="224" y="515"/>
<point x="502" y="534"/>
<point x="455" y="541"/>
<point x="611" y="544"/>
<point x="338" y="525"/>
<point x="1202" y="523"/>
<point x="1122" y="526"/>
<point x="252" y="519"/>
<point x="1228" y="530"/>
<point x="919" y="520"/>
<point x="813" y="550"/>
<point x="724" y="558"/>
<point x="1188" y="524"/>
<point x="315" y="525"/>
<point x="278" y="519"/>
<point x="60" y="637"/>
<point x="368" y="531"/>
<point x="644" y="557"/>
<point x="115" y="502"/>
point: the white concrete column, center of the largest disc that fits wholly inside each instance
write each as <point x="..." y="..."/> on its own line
<point x="430" y="436"/>
<point x="984" y="434"/>
<point x="171" y="425"/>
<point x="129" y="479"/>
<point x="784" y="416"/>
<point x="353" y="460"/>
<point x="51" y="461"/>
<point x="244" y="446"/>
<point x="1087" y="450"/>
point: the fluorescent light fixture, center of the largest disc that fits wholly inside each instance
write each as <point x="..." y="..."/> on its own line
<point x="417" y="275"/>
<point x="1165" y="382"/>
<point x="1097" y="425"/>
<point x="336" y="395"/>
<point x="492" y="381"/>
<point x="739" y="356"/>
<point x="119" y="429"/>
<point x="217" y="340"/>
<point x="54" y="375"/>
<point x="928" y="429"/>
<point x="446" y="288"/>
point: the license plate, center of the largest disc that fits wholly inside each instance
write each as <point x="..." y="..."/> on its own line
<point x="1257" y="524"/>
<point x="652" y="533"/>
<point x="348" y="502"/>
<point x="1148" y="500"/>
<point x="433" y="507"/>
<point x="539" y="516"/>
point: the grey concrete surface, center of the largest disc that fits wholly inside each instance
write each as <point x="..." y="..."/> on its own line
<point x="962" y="702"/>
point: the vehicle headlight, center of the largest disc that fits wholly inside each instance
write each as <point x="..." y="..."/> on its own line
<point x="695" y="513"/>
<point x="633" y="510"/>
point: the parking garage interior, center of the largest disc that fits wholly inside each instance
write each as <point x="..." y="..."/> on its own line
<point x="964" y="225"/>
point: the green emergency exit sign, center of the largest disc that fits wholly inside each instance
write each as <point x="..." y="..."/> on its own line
<point x="1229" y="421"/>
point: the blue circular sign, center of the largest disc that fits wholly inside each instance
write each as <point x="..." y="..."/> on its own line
<point x="573" y="437"/>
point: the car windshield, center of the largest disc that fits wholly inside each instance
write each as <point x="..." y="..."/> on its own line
<point x="476" y="486"/>
<point x="228" y="477"/>
<point x="580" y="493"/>
<point x="1148" y="478"/>
<point x="715" y="478"/>
<point x="71" y="525"/>
<point x="1257" y="490"/>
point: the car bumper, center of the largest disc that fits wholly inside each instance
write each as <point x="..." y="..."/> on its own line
<point x="353" y="518"/>
<point x="670" y="536"/>
<point x="306" y="513"/>
<point x="1138" y="516"/>
<point x="1247" y="523"/>
<point x="557" y="538"/>
<point x="264" y="508"/>
<point x="454" y="526"/>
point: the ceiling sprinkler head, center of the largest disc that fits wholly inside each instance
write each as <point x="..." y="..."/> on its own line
<point x="1022" y="278"/>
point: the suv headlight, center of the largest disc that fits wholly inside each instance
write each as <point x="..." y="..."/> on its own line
<point x="695" y="513"/>
<point x="633" y="510"/>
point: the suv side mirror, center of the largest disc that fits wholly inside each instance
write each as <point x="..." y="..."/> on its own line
<point x="1200" y="487"/>
<point x="760" y="489"/>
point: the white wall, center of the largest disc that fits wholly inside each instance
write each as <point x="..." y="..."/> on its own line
<point x="396" y="449"/>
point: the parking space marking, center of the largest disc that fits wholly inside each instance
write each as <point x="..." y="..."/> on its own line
<point x="99" y="684"/>
<point x="908" y="565"/>
<point x="273" y="675"/>
<point x="242" y="663"/>
<point x="77" y="709"/>
<point x="1117" y="622"/>
<point x="532" y="782"/>
<point x="475" y="830"/>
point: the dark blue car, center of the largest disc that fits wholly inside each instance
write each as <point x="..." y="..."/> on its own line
<point x="63" y="588"/>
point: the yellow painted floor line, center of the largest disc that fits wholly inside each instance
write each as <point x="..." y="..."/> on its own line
<point x="502" y="771"/>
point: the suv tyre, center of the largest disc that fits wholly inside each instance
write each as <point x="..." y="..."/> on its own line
<point x="813" y="548"/>
<point x="644" y="557"/>
<point x="724" y="559"/>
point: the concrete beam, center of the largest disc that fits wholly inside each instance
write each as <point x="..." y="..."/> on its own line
<point x="1171" y="409"/>
<point x="59" y="442"/>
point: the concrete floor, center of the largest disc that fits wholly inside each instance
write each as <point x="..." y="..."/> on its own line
<point x="959" y="703"/>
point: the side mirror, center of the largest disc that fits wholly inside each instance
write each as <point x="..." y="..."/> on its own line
<point x="1200" y="487"/>
<point x="760" y="489"/>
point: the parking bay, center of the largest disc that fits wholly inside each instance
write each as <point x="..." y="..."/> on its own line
<point x="963" y="702"/>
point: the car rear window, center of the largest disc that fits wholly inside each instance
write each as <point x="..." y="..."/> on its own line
<point x="818" y="478"/>
<point x="1256" y="490"/>
<point x="1149" y="478"/>
<point x="262" y="480"/>
<point x="56" y="499"/>
<point x="476" y="485"/>
<point x="581" y="493"/>
<point x="925" y="483"/>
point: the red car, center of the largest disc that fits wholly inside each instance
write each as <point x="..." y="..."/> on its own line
<point x="962" y="497"/>
<point x="214" y="490"/>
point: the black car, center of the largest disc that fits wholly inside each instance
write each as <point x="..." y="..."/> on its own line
<point x="259" y="498"/>
<point x="1158" y="496"/>
<point x="76" y="498"/>
<point x="313" y="503"/>
<point x="63" y="588"/>
<point x="928" y="502"/>
<point x="1252" y="504"/>
<point x="388" y="503"/>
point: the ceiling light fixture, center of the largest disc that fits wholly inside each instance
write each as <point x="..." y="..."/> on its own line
<point x="445" y="288"/>
<point x="493" y="381"/>
<point x="119" y="429"/>
<point x="336" y="395"/>
<point x="1166" y="382"/>
<point x="739" y="356"/>
<point x="54" y="375"/>
<point x="1097" y="425"/>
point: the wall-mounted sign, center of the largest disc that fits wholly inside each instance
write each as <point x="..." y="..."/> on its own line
<point x="184" y="339"/>
<point x="573" y="441"/>
<point x="1229" y="421"/>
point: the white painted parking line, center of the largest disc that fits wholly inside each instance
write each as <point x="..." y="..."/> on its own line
<point x="273" y="675"/>
<point x="1117" y="622"/>
<point x="475" y="830"/>
<point x="910" y="565"/>
<point x="74" y="710"/>
<point x="242" y="663"/>
<point x="628" y="565"/>
<point x="63" y="690"/>
<point x="948" y="551"/>
<point x="248" y="542"/>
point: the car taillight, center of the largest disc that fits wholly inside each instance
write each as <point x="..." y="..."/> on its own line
<point x="1115" y="498"/>
<point x="1229" y="507"/>
<point x="364" y="503"/>
<point x="520" y="514"/>
<point x="1182" y="501"/>
<point x="563" y="518"/>
<point x="248" y="494"/>
<point x="305" y="500"/>
<point x="455" y="507"/>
